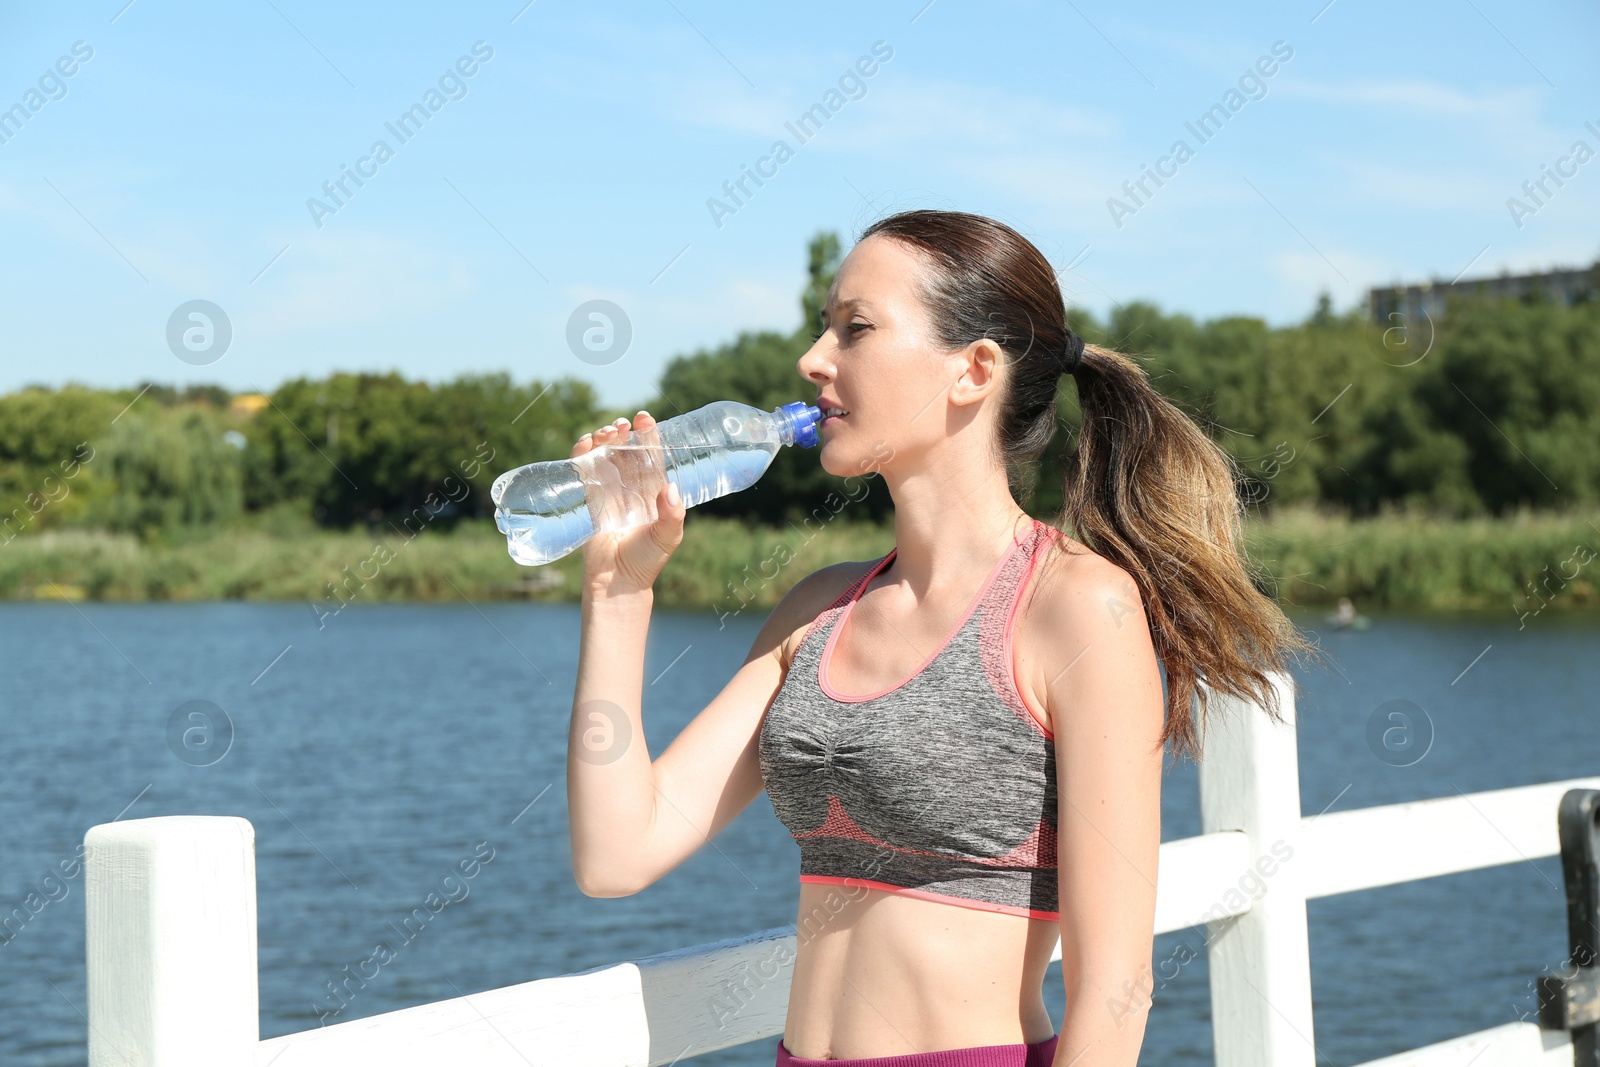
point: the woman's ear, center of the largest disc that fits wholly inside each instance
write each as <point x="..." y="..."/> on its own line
<point x="981" y="375"/>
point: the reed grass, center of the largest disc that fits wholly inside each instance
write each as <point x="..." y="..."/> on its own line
<point x="1524" y="562"/>
<point x="1411" y="562"/>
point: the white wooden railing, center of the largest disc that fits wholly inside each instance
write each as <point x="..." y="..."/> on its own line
<point x="172" y="938"/>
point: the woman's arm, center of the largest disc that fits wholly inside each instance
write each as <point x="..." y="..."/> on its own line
<point x="1106" y="713"/>
<point x="634" y="819"/>
<point x="610" y="783"/>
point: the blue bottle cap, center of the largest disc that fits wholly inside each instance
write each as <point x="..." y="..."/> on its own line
<point x="800" y="420"/>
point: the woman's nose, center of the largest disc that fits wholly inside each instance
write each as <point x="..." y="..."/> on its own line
<point x="806" y="365"/>
<point x="815" y="361"/>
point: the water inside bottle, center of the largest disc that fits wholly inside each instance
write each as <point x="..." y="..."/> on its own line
<point x="611" y="488"/>
<point x="622" y="482"/>
<point x="548" y="509"/>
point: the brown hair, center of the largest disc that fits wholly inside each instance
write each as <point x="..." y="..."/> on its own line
<point x="1146" y="488"/>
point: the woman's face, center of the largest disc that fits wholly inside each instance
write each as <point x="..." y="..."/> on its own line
<point x="878" y="360"/>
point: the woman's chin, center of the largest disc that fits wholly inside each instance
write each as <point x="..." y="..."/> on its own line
<point x="843" y="460"/>
<point x="835" y="461"/>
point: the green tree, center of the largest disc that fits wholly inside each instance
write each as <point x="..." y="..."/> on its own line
<point x="168" y="469"/>
<point x="822" y="266"/>
<point x="377" y="449"/>
<point x="1519" y="383"/>
<point x="1493" y="407"/>
<point x="49" y="444"/>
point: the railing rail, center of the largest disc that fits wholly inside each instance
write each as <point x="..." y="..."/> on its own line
<point x="172" y="938"/>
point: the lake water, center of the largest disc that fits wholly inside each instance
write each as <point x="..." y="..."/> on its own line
<point x="375" y="753"/>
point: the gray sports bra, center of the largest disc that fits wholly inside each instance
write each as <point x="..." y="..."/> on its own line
<point x="941" y="787"/>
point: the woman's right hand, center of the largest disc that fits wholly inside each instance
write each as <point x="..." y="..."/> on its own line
<point x="619" y="563"/>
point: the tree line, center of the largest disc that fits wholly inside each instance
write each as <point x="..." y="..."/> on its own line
<point x="1494" y="407"/>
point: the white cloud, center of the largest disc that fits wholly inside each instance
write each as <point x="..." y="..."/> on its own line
<point x="1418" y="96"/>
<point x="12" y="202"/>
<point x="1307" y="271"/>
<point x="353" y="278"/>
<point x="897" y="111"/>
<point x="1498" y="121"/>
<point x="1441" y="189"/>
<point x="903" y="111"/>
<point x="1224" y="58"/>
<point x="100" y="219"/>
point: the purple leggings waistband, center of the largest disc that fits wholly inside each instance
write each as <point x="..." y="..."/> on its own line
<point x="1038" y="1054"/>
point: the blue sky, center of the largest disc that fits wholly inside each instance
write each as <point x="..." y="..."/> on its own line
<point x="576" y="163"/>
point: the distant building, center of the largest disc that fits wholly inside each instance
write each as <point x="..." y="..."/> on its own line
<point x="247" y="404"/>
<point x="1414" y="301"/>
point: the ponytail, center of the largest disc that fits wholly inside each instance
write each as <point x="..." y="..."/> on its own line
<point x="1146" y="488"/>
<point x="1149" y="491"/>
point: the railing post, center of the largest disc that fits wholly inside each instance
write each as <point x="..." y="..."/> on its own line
<point x="1260" y="961"/>
<point x="171" y="941"/>
<point x="1570" y="1000"/>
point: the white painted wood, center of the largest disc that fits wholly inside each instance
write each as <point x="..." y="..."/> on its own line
<point x="171" y="942"/>
<point x="1368" y="847"/>
<point x="1198" y="880"/>
<point x="652" y="1011"/>
<point x="719" y="995"/>
<point x="584" y="1020"/>
<point x="172" y="946"/>
<point x="1511" y="1045"/>
<point x="1260" y="961"/>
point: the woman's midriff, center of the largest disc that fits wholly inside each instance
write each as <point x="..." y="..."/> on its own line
<point x="877" y="973"/>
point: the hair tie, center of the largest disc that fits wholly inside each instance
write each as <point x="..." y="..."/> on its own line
<point x="1071" y="356"/>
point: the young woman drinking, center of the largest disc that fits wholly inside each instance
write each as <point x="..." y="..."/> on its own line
<point x="964" y="736"/>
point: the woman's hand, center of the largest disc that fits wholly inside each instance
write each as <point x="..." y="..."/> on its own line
<point x="619" y="563"/>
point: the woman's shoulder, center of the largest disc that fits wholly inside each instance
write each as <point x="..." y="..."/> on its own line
<point x="1071" y="564"/>
<point x="1075" y="598"/>
<point x="1071" y="579"/>
<point x="812" y="595"/>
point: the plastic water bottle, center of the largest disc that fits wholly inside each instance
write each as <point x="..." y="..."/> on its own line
<point x="549" y="509"/>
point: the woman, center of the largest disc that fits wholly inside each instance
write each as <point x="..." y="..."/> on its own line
<point x="964" y="736"/>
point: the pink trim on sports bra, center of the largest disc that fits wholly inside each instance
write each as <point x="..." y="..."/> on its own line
<point x="1010" y="652"/>
<point x="838" y="628"/>
<point x="937" y="898"/>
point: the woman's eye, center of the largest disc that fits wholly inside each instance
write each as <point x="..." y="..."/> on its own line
<point x="850" y="328"/>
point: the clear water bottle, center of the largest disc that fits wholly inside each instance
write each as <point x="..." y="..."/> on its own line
<point x="549" y="509"/>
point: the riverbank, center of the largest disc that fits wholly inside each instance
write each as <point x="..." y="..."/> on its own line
<point x="1524" y="563"/>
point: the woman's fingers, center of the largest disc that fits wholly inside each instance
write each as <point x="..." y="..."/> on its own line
<point x="611" y="432"/>
<point x="645" y="428"/>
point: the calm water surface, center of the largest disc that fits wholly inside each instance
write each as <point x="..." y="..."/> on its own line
<point x="376" y="753"/>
